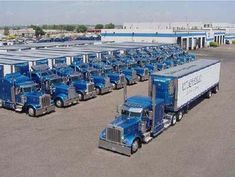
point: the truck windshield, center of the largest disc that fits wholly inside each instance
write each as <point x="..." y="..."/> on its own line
<point x="130" y="114"/>
<point x="28" y="89"/>
<point x="75" y="78"/>
<point x="56" y="81"/>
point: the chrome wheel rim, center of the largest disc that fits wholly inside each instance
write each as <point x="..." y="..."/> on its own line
<point x="135" y="146"/>
<point x="31" y="111"/>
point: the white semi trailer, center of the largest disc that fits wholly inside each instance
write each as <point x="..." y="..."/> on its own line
<point x="171" y="93"/>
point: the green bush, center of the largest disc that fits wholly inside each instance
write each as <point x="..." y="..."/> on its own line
<point x="214" y="44"/>
<point x="233" y="42"/>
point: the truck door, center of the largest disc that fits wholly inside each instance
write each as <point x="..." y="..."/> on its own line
<point x="157" y="122"/>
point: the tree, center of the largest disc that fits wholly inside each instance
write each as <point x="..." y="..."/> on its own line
<point x="109" y="26"/>
<point x="6" y="31"/>
<point x="38" y="30"/>
<point x="69" y="27"/>
<point x="81" y="29"/>
<point x="99" y="26"/>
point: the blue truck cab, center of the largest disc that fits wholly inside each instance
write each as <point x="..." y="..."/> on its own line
<point x="141" y="72"/>
<point x="102" y="83"/>
<point x="53" y="84"/>
<point x="85" y="89"/>
<point x="20" y="93"/>
<point x="133" y="126"/>
<point x="119" y="66"/>
<point x="117" y="79"/>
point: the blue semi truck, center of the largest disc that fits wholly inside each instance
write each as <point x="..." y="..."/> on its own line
<point x="171" y="94"/>
<point x="20" y="93"/>
<point x="63" y="95"/>
<point x="102" y="82"/>
<point x="84" y="88"/>
<point x="121" y="67"/>
<point x="117" y="79"/>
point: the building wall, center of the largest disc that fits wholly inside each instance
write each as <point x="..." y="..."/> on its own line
<point x="188" y="39"/>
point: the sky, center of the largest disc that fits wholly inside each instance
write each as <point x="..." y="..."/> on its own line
<point x="117" y="12"/>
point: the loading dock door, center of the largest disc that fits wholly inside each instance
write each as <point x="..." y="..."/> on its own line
<point x="194" y="43"/>
<point x="199" y="42"/>
<point x="203" y="42"/>
<point x="184" y="45"/>
<point x="179" y="41"/>
<point x="190" y="43"/>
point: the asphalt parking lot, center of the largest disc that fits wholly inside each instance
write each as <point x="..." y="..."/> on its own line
<point x="64" y="143"/>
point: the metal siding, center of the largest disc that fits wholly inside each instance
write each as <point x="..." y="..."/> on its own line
<point x="188" y="90"/>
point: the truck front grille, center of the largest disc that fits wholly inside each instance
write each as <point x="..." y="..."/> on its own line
<point x="71" y="92"/>
<point x="113" y="134"/>
<point x="91" y="87"/>
<point x="107" y="82"/>
<point x="46" y="100"/>
<point x="134" y="75"/>
<point x="146" y="72"/>
<point x="122" y="78"/>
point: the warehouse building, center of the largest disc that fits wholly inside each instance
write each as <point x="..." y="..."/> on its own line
<point x="189" y="36"/>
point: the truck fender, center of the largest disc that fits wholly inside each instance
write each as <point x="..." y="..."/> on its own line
<point x="131" y="138"/>
<point x="27" y="107"/>
<point x="63" y="97"/>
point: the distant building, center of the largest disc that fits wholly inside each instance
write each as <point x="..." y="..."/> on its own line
<point x="189" y="35"/>
<point x="26" y="32"/>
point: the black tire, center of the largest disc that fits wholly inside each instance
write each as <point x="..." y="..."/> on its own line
<point x="135" y="146"/>
<point x="209" y="94"/>
<point x="80" y="96"/>
<point x="59" y="103"/>
<point x="173" y="120"/>
<point x="216" y="89"/>
<point x="180" y="115"/>
<point x="98" y="91"/>
<point x="31" y="111"/>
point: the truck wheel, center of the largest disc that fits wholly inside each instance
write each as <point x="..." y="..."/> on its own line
<point x="173" y="120"/>
<point x="135" y="146"/>
<point x="98" y="91"/>
<point x="31" y="111"/>
<point x="180" y="116"/>
<point x="139" y="78"/>
<point x="209" y="93"/>
<point x="216" y="89"/>
<point x="80" y="96"/>
<point x="59" y="103"/>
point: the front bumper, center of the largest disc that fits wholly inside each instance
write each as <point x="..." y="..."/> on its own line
<point x="144" y="78"/>
<point x="106" y="89"/>
<point x="133" y="81"/>
<point x="89" y="95"/>
<point x="115" y="147"/>
<point x="45" y="110"/>
<point x="119" y="85"/>
<point x="71" y="101"/>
